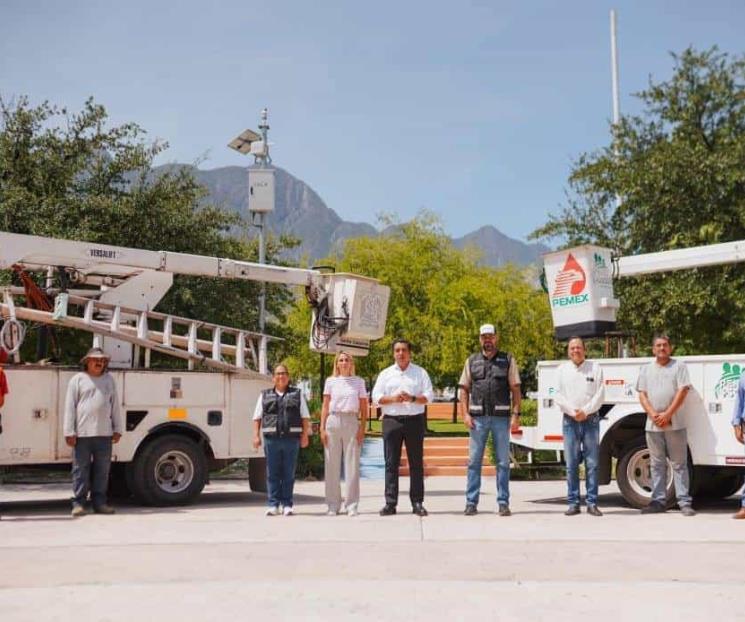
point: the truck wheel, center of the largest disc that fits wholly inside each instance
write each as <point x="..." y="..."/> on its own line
<point x="634" y="477"/>
<point x="720" y="484"/>
<point x="257" y="474"/>
<point x="170" y="470"/>
<point x="118" y="484"/>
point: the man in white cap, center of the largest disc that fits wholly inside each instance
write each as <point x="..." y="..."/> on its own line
<point x="92" y="422"/>
<point x="490" y="403"/>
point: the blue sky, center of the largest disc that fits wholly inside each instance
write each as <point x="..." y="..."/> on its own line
<point x="474" y="110"/>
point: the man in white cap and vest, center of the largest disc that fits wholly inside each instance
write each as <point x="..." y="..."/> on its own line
<point x="92" y="422"/>
<point x="490" y="403"/>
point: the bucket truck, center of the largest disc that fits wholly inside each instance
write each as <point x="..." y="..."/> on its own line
<point x="580" y="288"/>
<point x="180" y="422"/>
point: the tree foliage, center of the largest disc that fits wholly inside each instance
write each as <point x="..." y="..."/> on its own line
<point x="69" y="175"/>
<point x="439" y="297"/>
<point x="679" y="170"/>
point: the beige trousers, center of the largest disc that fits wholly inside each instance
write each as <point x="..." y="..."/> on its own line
<point x="342" y="445"/>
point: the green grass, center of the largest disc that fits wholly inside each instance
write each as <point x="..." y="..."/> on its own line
<point x="444" y="427"/>
<point x="435" y="427"/>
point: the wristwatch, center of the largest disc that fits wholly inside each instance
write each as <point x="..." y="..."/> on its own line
<point x="413" y="399"/>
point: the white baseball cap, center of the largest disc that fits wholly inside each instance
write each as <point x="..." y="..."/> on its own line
<point x="487" y="329"/>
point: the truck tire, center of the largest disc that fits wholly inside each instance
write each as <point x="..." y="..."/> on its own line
<point x="169" y="470"/>
<point x="633" y="475"/>
<point x="720" y="483"/>
<point x="257" y="474"/>
<point x="118" y="484"/>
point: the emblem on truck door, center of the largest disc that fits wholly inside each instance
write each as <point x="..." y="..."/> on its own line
<point x="726" y="388"/>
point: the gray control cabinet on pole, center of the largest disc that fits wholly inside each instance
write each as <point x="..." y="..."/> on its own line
<point x="261" y="190"/>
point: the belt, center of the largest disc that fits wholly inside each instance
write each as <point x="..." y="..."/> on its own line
<point x="344" y="412"/>
<point x="403" y="417"/>
<point x="500" y="415"/>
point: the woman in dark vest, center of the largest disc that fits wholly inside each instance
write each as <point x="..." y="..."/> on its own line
<point x="282" y="418"/>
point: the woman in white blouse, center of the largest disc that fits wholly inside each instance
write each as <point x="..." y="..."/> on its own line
<point x="343" y="418"/>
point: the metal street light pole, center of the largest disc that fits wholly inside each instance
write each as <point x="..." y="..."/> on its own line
<point x="614" y="85"/>
<point x="260" y="201"/>
<point x="263" y="160"/>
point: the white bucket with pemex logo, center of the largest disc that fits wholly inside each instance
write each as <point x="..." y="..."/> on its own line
<point x="580" y="290"/>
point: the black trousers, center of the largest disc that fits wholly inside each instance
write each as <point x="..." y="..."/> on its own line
<point x="396" y="431"/>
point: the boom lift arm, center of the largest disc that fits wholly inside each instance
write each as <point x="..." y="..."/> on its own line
<point x="348" y="310"/>
<point x="580" y="280"/>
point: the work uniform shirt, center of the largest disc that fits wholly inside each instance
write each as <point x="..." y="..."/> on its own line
<point x="513" y="375"/>
<point x="92" y="406"/>
<point x="413" y="380"/>
<point x="661" y="383"/>
<point x="259" y="410"/>
<point x="580" y="387"/>
<point x="738" y="414"/>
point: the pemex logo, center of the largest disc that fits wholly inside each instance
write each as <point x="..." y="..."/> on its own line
<point x="570" y="282"/>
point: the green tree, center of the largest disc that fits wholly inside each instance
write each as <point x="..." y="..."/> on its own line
<point x="69" y="175"/>
<point x="679" y="170"/>
<point x="439" y="297"/>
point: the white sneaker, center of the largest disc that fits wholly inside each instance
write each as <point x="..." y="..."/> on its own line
<point x="352" y="512"/>
<point x="272" y="510"/>
<point x="331" y="513"/>
<point x="287" y="511"/>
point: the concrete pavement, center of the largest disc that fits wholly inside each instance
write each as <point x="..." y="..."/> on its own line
<point x="222" y="559"/>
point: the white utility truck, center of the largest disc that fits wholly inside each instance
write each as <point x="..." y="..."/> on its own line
<point x="580" y="288"/>
<point x="179" y="422"/>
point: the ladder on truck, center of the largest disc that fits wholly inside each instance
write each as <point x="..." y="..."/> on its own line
<point x="149" y="331"/>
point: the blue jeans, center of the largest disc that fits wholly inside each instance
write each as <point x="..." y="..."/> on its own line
<point x="97" y="449"/>
<point x="281" y="460"/>
<point x="500" y="431"/>
<point x="581" y="441"/>
<point x="671" y="444"/>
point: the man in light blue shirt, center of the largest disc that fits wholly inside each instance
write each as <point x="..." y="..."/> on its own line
<point x="738" y="423"/>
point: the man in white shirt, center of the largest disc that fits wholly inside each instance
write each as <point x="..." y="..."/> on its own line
<point x="579" y="396"/>
<point x="402" y="391"/>
<point x="91" y="423"/>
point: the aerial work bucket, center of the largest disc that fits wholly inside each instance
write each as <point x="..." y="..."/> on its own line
<point x="580" y="290"/>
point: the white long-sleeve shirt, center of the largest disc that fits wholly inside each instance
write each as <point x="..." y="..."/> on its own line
<point x="92" y="406"/>
<point x="414" y="380"/>
<point x="580" y="387"/>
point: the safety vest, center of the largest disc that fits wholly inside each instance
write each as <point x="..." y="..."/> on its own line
<point x="280" y="414"/>
<point x="490" y="387"/>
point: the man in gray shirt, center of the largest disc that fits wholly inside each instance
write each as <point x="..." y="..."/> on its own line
<point x="92" y="423"/>
<point x="663" y="385"/>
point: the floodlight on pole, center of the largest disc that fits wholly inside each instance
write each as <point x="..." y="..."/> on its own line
<point x="260" y="202"/>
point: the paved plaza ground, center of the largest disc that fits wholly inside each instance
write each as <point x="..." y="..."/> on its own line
<point x="222" y="559"/>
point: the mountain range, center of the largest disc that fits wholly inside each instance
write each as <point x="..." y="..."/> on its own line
<point x="301" y="212"/>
